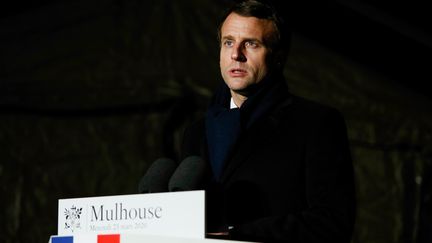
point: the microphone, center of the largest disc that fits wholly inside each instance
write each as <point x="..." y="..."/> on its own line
<point x="189" y="175"/>
<point x="157" y="176"/>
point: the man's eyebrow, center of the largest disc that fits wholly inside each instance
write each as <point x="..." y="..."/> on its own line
<point x="230" y="37"/>
<point x="253" y="40"/>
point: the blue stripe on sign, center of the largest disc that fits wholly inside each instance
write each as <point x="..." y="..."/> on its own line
<point x="62" y="239"/>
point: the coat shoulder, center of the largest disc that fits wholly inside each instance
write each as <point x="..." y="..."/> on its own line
<point x="303" y="109"/>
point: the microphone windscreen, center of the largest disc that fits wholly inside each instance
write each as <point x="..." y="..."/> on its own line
<point x="157" y="176"/>
<point x="189" y="174"/>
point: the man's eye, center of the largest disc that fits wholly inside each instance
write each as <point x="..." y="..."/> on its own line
<point x="228" y="43"/>
<point x="251" y="44"/>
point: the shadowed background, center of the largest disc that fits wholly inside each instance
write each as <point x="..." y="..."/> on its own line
<point x="92" y="92"/>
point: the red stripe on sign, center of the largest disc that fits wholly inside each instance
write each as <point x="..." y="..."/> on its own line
<point x="108" y="238"/>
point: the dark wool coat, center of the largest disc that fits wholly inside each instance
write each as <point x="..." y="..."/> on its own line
<point x="288" y="179"/>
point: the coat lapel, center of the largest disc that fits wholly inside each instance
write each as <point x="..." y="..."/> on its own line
<point x="258" y="136"/>
<point x="244" y="148"/>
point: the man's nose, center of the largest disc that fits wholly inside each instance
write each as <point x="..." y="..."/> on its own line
<point x="237" y="54"/>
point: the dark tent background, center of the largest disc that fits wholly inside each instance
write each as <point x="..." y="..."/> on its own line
<point x="92" y="92"/>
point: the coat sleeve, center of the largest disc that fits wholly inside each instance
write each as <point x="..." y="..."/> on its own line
<point x="330" y="194"/>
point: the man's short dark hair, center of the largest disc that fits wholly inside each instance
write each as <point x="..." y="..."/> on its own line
<point x="263" y="9"/>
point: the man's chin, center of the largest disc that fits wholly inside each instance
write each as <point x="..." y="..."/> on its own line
<point x="238" y="88"/>
<point x="245" y="90"/>
<point x="238" y="83"/>
<point x="242" y="90"/>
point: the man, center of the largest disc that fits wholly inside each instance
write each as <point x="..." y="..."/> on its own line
<point x="279" y="165"/>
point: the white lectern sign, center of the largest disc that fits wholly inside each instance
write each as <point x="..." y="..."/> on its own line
<point x="177" y="214"/>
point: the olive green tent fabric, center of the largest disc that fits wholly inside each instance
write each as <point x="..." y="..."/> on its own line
<point x="92" y="92"/>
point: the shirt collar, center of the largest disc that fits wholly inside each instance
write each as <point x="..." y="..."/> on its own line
<point x="232" y="104"/>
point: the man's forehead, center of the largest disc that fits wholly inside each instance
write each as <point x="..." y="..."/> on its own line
<point x="236" y="25"/>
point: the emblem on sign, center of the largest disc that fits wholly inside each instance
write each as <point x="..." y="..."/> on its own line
<point x="73" y="216"/>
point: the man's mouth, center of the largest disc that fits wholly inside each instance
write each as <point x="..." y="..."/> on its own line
<point x="237" y="72"/>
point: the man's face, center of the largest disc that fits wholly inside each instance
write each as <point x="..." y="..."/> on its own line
<point x="244" y="54"/>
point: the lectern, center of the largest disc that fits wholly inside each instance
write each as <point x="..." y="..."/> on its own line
<point x="137" y="218"/>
